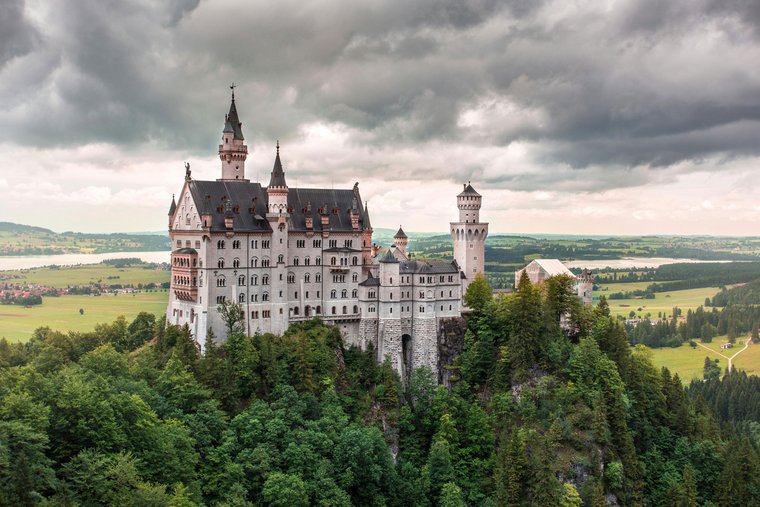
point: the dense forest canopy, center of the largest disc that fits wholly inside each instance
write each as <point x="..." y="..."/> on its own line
<point x="549" y="406"/>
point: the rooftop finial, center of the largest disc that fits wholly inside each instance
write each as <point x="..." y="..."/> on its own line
<point x="278" y="147"/>
<point x="232" y="87"/>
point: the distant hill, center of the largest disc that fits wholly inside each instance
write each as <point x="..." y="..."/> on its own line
<point x="20" y="239"/>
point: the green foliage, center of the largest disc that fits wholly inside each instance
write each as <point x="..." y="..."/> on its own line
<point x="478" y="294"/>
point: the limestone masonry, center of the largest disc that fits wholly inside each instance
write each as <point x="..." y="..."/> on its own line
<point x="291" y="254"/>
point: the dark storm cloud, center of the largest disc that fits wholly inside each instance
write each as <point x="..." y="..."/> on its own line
<point x="642" y="83"/>
<point x="16" y="35"/>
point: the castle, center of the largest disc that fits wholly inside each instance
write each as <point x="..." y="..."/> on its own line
<point x="287" y="255"/>
<point x="539" y="270"/>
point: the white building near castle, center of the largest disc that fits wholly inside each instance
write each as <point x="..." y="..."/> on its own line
<point x="291" y="254"/>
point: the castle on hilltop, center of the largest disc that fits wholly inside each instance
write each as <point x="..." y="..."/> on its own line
<point x="288" y="255"/>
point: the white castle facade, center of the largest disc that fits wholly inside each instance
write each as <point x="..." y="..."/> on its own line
<point x="291" y="254"/>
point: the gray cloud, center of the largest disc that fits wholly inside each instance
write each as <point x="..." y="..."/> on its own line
<point x="646" y="84"/>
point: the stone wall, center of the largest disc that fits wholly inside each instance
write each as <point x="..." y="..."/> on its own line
<point x="424" y="349"/>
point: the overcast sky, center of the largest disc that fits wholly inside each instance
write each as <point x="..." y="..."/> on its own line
<point x="583" y="117"/>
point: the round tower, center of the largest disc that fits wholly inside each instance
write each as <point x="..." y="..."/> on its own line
<point x="586" y="286"/>
<point x="401" y="240"/>
<point x="233" y="150"/>
<point x="469" y="236"/>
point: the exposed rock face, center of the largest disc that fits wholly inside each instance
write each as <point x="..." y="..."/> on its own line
<point x="450" y="344"/>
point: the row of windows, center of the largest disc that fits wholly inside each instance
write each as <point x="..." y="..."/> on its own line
<point x="265" y="262"/>
<point x="236" y="243"/>
<point x="184" y="280"/>
<point x="184" y="262"/>
<point x="343" y="294"/>
<point x="188" y="244"/>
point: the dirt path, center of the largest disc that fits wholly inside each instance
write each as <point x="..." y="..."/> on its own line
<point x="729" y="359"/>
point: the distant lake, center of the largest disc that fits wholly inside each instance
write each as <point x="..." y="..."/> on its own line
<point x="632" y="262"/>
<point x="37" y="261"/>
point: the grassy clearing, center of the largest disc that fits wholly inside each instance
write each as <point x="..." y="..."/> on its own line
<point x="611" y="288"/>
<point x="91" y="273"/>
<point x="62" y="313"/>
<point x="686" y="361"/>
<point x="663" y="302"/>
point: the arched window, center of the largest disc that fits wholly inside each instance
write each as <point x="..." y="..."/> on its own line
<point x="355" y="261"/>
<point x="254" y="298"/>
<point x="220" y="299"/>
<point x="307" y="261"/>
<point x="265" y="280"/>
<point x="333" y="294"/>
<point x="241" y="280"/>
<point x="319" y="309"/>
<point x="295" y="310"/>
<point x="220" y="244"/>
<point x="333" y="310"/>
<point x="236" y="244"/>
<point x="295" y="261"/>
<point x="241" y="298"/>
<point x="254" y="280"/>
<point x="265" y="262"/>
<point x="344" y="293"/>
<point x="220" y="263"/>
<point x="280" y="259"/>
<point x="318" y="278"/>
<point x="254" y="262"/>
<point x="354" y="293"/>
<point x="235" y="262"/>
<point x="265" y="296"/>
<point x="355" y="277"/>
<point x="356" y="309"/>
<point x="345" y="310"/>
<point x="332" y="261"/>
<point x="221" y="282"/>
<point x="318" y="261"/>
<point x="307" y="278"/>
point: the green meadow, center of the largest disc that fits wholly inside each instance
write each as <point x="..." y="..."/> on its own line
<point x="89" y="274"/>
<point x="17" y="323"/>
<point x="662" y="303"/>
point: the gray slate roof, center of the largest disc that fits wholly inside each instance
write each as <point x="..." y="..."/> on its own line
<point x="250" y="199"/>
<point x="278" y="175"/>
<point x="400" y="233"/>
<point x="172" y="207"/>
<point x="428" y="267"/>
<point x="468" y="190"/>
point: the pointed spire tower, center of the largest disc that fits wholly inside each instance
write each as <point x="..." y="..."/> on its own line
<point x="400" y="240"/>
<point x="233" y="150"/>
<point x="277" y="191"/>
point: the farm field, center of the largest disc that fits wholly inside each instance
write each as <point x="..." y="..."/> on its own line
<point x="611" y="288"/>
<point x="87" y="274"/>
<point x="663" y="302"/>
<point x="17" y="323"/>
<point x="688" y="362"/>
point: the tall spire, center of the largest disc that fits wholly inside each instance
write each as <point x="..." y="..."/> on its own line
<point x="278" y="175"/>
<point x="231" y="121"/>
<point x="172" y="207"/>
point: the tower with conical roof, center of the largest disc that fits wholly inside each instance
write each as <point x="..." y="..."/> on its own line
<point x="400" y="240"/>
<point x="233" y="150"/>
<point x="278" y="215"/>
<point x="469" y="236"/>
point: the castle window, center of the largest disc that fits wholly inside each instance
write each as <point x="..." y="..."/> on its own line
<point x="220" y="244"/>
<point x="307" y="261"/>
<point x="221" y="282"/>
<point x="333" y="310"/>
<point x="236" y="263"/>
<point x="371" y="294"/>
<point x="332" y="261"/>
<point x="441" y="307"/>
<point x="265" y="243"/>
<point x="422" y="309"/>
<point x="265" y="280"/>
<point x="333" y="294"/>
<point x="241" y="280"/>
<point x="391" y="280"/>
<point x="295" y="261"/>
<point x="236" y="244"/>
<point x="349" y="243"/>
<point x="220" y="263"/>
<point x="265" y="296"/>
<point x="265" y="262"/>
<point x="317" y="243"/>
<point x="255" y="314"/>
<point x="241" y="298"/>
<point x="301" y="243"/>
<point x="254" y="262"/>
<point x="266" y="314"/>
<point x="319" y="309"/>
<point x="450" y="294"/>
<point x="307" y="294"/>
<point x="318" y="278"/>
<point x="390" y="310"/>
<point x="254" y="243"/>
<point x="254" y="280"/>
<point x="422" y="294"/>
<point x="355" y="261"/>
<point x="354" y="293"/>
<point x="254" y="298"/>
<point x="291" y="278"/>
<point x="345" y="310"/>
<point x="318" y="261"/>
<point x="307" y="278"/>
<point x="344" y="293"/>
<point x="220" y="300"/>
<point x="371" y="309"/>
<point x="280" y="259"/>
<point x="333" y="243"/>
<point x="355" y="277"/>
<point x="449" y="307"/>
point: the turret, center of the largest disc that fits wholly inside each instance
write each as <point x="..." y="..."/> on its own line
<point x="400" y="240"/>
<point x="468" y="202"/>
<point x="233" y="150"/>
<point x="586" y="286"/>
<point x="172" y="209"/>
<point x="277" y="191"/>
<point x="469" y="236"/>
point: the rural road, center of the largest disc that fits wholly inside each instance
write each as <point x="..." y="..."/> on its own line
<point x="730" y="359"/>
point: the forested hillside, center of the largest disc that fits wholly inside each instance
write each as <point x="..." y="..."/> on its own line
<point x="133" y="414"/>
